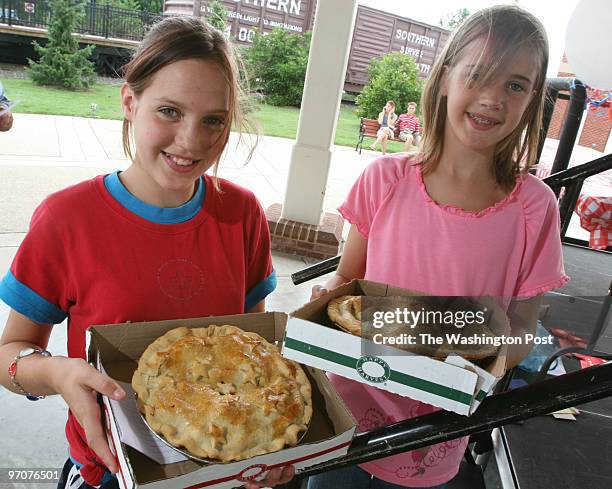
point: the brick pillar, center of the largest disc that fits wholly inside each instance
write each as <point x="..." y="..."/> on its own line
<point x="318" y="241"/>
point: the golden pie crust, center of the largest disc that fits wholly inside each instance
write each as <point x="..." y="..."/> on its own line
<point x="345" y="311"/>
<point x="222" y="393"/>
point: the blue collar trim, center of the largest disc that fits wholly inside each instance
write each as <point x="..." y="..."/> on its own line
<point x="159" y="215"/>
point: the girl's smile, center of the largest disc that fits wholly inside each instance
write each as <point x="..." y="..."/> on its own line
<point x="179" y="163"/>
<point x="481" y="122"/>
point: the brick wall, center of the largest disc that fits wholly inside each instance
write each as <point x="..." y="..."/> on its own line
<point x="596" y="129"/>
<point x="558" y="117"/>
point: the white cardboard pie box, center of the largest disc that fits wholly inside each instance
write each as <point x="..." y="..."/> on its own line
<point x="454" y="384"/>
<point x="116" y="349"/>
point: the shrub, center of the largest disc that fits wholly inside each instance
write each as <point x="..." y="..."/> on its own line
<point x="277" y="66"/>
<point x="61" y="62"/>
<point x="395" y="77"/>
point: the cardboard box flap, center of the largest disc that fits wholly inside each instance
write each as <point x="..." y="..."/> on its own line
<point x="120" y="344"/>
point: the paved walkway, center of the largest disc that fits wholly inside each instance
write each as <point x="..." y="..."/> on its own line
<point x="42" y="154"/>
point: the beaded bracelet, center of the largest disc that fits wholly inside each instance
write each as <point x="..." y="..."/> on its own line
<point x="12" y="370"/>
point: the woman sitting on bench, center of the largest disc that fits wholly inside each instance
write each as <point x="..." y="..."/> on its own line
<point x="386" y="119"/>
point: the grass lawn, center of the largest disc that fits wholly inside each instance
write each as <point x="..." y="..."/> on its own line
<point x="273" y="121"/>
<point x="34" y="99"/>
<point x="283" y="121"/>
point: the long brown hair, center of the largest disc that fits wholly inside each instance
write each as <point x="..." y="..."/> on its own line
<point x="180" y="38"/>
<point x="505" y="29"/>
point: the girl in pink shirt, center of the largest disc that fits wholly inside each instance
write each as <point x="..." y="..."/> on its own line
<point x="461" y="218"/>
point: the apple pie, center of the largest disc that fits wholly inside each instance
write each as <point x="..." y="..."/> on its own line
<point x="222" y="393"/>
<point x="479" y="340"/>
<point x="345" y="311"/>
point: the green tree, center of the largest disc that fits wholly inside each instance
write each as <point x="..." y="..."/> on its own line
<point x="452" y="21"/>
<point x="153" y="6"/>
<point x="217" y="15"/>
<point x="395" y="77"/>
<point x="276" y="66"/>
<point x="61" y="62"/>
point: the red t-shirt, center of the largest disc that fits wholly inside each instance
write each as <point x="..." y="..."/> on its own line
<point x="97" y="255"/>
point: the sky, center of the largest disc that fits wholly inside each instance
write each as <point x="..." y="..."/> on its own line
<point x="554" y="14"/>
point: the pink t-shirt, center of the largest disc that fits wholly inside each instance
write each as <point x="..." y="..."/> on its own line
<point x="507" y="250"/>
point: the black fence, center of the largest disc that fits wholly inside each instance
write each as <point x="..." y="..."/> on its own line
<point x="97" y="20"/>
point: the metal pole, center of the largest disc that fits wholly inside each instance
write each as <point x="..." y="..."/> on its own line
<point x="549" y="108"/>
<point x="107" y="15"/>
<point x="92" y="17"/>
<point x="580" y="172"/>
<point x="600" y="323"/>
<point x="316" y="270"/>
<point x="572" y="120"/>
<point x="568" y="204"/>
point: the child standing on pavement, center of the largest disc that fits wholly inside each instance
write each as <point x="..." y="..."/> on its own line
<point x="150" y="243"/>
<point x="409" y="127"/>
<point x="462" y="218"/>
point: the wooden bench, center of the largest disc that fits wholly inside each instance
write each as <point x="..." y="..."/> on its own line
<point x="369" y="128"/>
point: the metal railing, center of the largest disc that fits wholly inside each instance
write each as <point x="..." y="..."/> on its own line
<point x="572" y="180"/>
<point x="97" y="20"/>
<point x="555" y="88"/>
<point x="571" y="389"/>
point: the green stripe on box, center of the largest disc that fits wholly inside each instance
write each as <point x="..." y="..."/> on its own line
<point x="481" y="395"/>
<point x="399" y="377"/>
<point x="319" y="352"/>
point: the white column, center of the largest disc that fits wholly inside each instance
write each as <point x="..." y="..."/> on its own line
<point x="311" y="154"/>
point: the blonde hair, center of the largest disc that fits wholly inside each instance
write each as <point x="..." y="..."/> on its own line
<point x="179" y="38"/>
<point x="505" y="29"/>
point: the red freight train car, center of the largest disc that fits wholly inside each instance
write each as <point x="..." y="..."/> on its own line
<point x="376" y="33"/>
